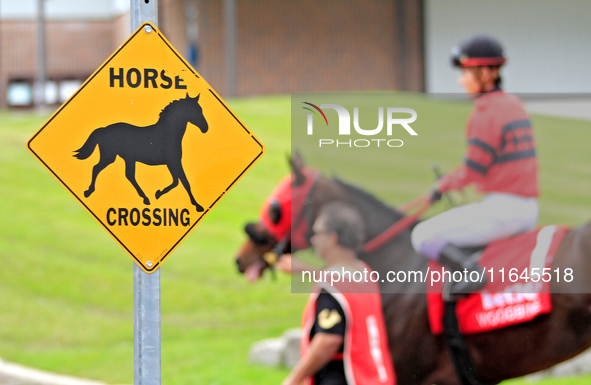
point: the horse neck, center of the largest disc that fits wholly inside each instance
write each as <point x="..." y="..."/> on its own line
<point x="326" y="191"/>
<point x="586" y="238"/>
<point x="172" y="124"/>
<point x="396" y="254"/>
<point x="377" y="215"/>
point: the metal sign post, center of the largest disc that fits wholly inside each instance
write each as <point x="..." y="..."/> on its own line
<point x="146" y="326"/>
<point x="230" y="45"/>
<point x="146" y="287"/>
<point x="144" y="81"/>
<point x="39" y="92"/>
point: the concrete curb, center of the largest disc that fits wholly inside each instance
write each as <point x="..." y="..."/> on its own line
<point x="277" y="352"/>
<point x="285" y="352"/>
<point x="576" y="366"/>
<point x="15" y="374"/>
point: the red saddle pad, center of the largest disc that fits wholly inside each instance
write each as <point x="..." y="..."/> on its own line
<point x="511" y="296"/>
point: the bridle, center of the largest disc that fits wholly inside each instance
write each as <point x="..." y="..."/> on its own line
<point x="298" y="204"/>
<point x="299" y="229"/>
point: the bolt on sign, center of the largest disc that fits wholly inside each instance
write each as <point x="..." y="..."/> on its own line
<point x="147" y="147"/>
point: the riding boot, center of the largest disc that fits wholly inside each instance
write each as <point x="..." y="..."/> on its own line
<point x="456" y="259"/>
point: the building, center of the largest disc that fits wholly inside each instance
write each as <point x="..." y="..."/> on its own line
<point x="280" y="46"/>
<point x="80" y="35"/>
<point x="548" y="42"/>
<point x="256" y="47"/>
<point x="313" y="45"/>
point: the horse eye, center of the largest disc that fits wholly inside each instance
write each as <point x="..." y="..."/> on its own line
<point x="274" y="212"/>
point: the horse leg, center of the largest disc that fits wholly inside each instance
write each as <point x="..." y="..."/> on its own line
<point x="444" y="374"/>
<point x="130" y="174"/>
<point x="178" y="173"/>
<point x="419" y="357"/>
<point x="175" y="182"/>
<point x="105" y="160"/>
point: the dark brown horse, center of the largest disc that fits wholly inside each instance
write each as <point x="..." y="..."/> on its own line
<point x="420" y="357"/>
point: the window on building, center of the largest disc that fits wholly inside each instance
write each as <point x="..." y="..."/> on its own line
<point x="19" y="94"/>
<point x="67" y="89"/>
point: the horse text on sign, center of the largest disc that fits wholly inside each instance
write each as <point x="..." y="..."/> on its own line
<point x="146" y="146"/>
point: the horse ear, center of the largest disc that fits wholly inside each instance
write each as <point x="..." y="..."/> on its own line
<point x="297" y="164"/>
<point x="197" y="98"/>
<point x="187" y="97"/>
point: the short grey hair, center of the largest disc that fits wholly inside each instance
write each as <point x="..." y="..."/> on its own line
<point x="346" y="222"/>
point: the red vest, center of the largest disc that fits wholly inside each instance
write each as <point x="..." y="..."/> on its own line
<point x="500" y="156"/>
<point x="366" y="356"/>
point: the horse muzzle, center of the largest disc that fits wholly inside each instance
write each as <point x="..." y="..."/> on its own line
<point x="239" y="265"/>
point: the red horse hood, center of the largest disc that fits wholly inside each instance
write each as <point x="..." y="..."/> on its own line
<point x="290" y="201"/>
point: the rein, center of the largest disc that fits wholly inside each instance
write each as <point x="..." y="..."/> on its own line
<point x="398" y="227"/>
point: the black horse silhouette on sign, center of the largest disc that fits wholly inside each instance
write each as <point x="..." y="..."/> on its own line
<point x="158" y="144"/>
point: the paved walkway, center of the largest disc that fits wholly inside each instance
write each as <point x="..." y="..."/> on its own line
<point x="14" y="374"/>
<point x="579" y="108"/>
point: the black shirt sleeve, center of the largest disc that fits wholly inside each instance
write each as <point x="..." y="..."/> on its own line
<point x="330" y="317"/>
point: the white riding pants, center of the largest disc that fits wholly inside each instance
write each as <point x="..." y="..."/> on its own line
<point x="497" y="216"/>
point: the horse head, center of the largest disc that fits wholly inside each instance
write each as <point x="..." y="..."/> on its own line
<point x="195" y="113"/>
<point x="284" y="222"/>
<point x="258" y="252"/>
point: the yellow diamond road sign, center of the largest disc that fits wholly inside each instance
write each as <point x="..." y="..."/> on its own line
<point x="146" y="146"/>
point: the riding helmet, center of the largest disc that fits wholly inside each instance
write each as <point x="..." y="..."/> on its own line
<point x="478" y="51"/>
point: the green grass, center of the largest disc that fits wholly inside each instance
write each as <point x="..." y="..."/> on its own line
<point x="66" y="292"/>
<point x="67" y="287"/>
<point x="580" y="380"/>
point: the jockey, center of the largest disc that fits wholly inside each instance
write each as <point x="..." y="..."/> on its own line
<point x="499" y="161"/>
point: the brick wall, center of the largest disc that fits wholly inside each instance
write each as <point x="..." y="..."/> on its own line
<point x="315" y="45"/>
<point x="171" y="21"/>
<point x="74" y="50"/>
<point x="120" y="29"/>
<point x="282" y="46"/>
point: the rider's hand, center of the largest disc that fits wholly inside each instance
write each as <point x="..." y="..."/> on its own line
<point x="435" y="195"/>
<point x="284" y="263"/>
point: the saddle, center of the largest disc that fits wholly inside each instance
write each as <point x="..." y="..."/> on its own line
<point x="518" y="290"/>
